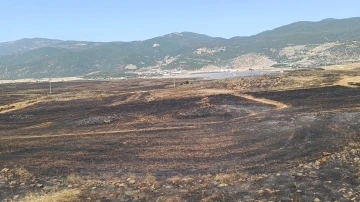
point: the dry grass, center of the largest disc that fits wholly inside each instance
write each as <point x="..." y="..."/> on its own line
<point x="41" y="125"/>
<point x="224" y="178"/>
<point x="345" y="80"/>
<point x="67" y="195"/>
<point x="205" y="102"/>
<point x="206" y="179"/>
<point x="153" y="119"/>
<point x="345" y="67"/>
<point x="137" y="195"/>
<point x="354" y="145"/>
<point x="23" y="173"/>
<point x="213" y="197"/>
<point x="33" y="99"/>
<point x="230" y="178"/>
<point x="18" y="173"/>
<point x="187" y="180"/>
<point x="68" y="96"/>
<point x="176" y="180"/>
<point x="18" y="105"/>
<point x="74" y="179"/>
<point x="130" y="176"/>
<point x="151" y="181"/>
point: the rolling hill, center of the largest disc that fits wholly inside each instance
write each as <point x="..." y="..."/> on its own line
<point x="301" y="44"/>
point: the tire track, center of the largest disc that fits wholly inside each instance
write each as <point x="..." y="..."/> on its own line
<point x="278" y="105"/>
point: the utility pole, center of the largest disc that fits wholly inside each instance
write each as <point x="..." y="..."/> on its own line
<point x="50" y="84"/>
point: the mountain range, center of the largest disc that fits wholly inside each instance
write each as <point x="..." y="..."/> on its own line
<point x="297" y="45"/>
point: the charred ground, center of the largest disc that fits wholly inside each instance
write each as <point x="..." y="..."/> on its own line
<point x="202" y="141"/>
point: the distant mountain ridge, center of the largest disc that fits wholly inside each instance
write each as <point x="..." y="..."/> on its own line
<point x="300" y="44"/>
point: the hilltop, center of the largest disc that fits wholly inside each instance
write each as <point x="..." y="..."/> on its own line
<point x="298" y="45"/>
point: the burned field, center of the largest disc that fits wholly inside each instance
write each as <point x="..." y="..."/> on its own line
<point x="199" y="144"/>
<point x="317" y="99"/>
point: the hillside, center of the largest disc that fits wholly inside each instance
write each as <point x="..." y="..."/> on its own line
<point x="24" y="45"/>
<point x="301" y="44"/>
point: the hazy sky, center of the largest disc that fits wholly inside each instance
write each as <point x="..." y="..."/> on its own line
<point x="127" y="20"/>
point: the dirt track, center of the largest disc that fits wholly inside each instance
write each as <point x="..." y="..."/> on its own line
<point x="346" y="80"/>
<point x="277" y="104"/>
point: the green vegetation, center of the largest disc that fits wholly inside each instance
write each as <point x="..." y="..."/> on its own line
<point x="39" y="58"/>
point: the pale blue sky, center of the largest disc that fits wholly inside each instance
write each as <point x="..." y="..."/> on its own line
<point x="127" y="20"/>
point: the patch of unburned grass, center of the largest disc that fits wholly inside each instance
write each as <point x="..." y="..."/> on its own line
<point x="177" y="180"/>
<point x="151" y="182"/>
<point x="18" y="174"/>
<point x="137" y="195"/>
<point x="23" y="173"/>
<point x="67" y="195"/>
<point x="230" y="178"/>
<point x="74" y="179"/>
